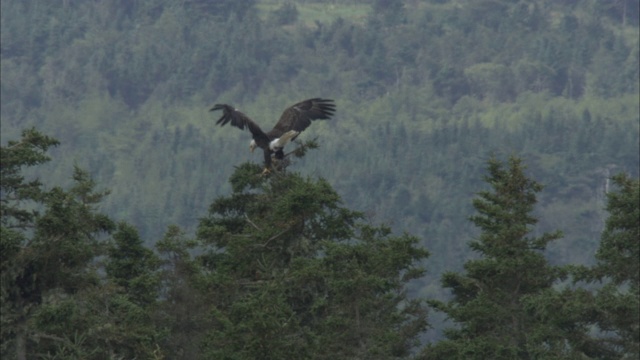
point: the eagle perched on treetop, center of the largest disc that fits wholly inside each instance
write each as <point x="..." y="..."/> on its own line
<point x="292" y="122"/>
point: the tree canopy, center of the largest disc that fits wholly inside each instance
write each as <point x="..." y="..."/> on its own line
<point x="281" y="269"/>
<point x="293" y="274"/>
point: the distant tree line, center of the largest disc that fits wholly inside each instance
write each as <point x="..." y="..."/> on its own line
<point x="491" y="50"/>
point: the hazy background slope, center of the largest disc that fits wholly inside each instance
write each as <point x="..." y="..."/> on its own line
<point x="426" y="91"/>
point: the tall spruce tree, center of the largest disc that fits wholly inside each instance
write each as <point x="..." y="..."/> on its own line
<point x="609" y="307"/>
<point x="496" y="302"/>
<point x="20" y="293"/>
<point x="291" y="274"/>
<point x="617" y="303"/>
<point x="55" y="301"/>
<point x="49" y="239"/>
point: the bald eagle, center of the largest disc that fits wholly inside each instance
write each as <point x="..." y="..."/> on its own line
<point x="292" y="122"/>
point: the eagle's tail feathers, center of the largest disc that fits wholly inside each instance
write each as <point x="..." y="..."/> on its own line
<point x="284" y="139"/>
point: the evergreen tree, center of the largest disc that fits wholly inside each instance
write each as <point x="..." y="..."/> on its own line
<point x="495" y="303"/>
<point x="46" y="254"/>
<point x="616" y="305"/>
<point x="183" y="308"/>
<point x="290" y="273"/>
<point x="133" y="266"/>
<point x="19" y="291"/>
<point x="55" y="303"/>
<point x="611" y="311"/>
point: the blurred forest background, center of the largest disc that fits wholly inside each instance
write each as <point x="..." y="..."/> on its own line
<point x="426" y="92"/>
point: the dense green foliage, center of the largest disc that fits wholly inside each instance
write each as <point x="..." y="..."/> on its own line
<point x="291" y="274"/>
<point x="283" y="270"/>
<point x="498" y="301"/>
<point x="425" y="92"/>
<point x="615" y="307"/>
<point x="618" y="262"/>
<point x="54" y="301"/>
<point x="509" y="304"/>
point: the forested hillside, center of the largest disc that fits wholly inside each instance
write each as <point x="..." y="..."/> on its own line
<point x="426" y="92"/>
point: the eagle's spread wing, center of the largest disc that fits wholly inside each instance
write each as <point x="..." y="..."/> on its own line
<point x="240" y="120"/>
<point x="299" y="116"/>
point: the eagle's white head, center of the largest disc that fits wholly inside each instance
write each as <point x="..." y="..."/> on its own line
<point x="252" y="145"/>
